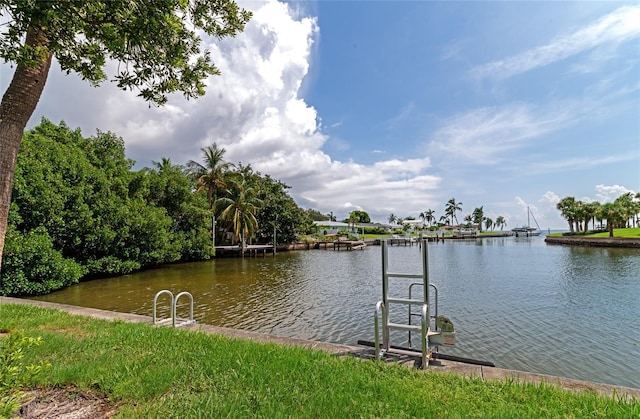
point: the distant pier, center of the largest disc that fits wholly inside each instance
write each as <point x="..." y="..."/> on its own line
<point x="249" y="250"/>
<point x="349" y="244"/>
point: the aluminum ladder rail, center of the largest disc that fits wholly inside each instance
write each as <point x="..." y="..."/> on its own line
<point x="175" y="321"/>
<point x="383" y="307"/>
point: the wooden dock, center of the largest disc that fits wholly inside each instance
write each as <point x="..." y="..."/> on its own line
<point x="349" y="244"/>
<point x="402" y="241"/>
<point x="250" y="250"/>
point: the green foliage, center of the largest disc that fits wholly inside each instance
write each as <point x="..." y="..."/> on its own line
<point x="316" y="215"/>
<point x="623" y="212"/>
<point x="14" y="374"/>
<point x="278" y="210"/>
<point x="375" y="230"/>
<point x="81" y="197"/>
<point x="158" y="42"/>
<point x="77" y="201"/>
<point x="360" y="216"/>
<point x="31" y="265"/>
<point x="167" y="186"/>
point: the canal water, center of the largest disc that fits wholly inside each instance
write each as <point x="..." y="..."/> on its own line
<point x="518" y="302"/>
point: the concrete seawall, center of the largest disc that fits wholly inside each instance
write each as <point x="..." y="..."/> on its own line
<point x="594" y="241"/>
<point x="485" y="373"/>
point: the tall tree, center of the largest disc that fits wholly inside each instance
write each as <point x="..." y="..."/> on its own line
<point x="391" y="218"/>
<point x="361" y="216"/>
<point x="429" y="216"/>
<point x="478" y="216"/>
<point x="627" y="207"/>
<point x="211" y="178"/>
<point x="614" y="215"/>
<point x="567" y="208"/>
<point x="589" y="213"/>
<point x="500" y="222"/>
<point x="157" y="43"/>
<point x="239" y="206"/>
<point x="451" y="208"/>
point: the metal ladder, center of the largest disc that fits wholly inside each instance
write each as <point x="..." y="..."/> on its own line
<point x="428" y="336"/>
<point x="174" y="319"/>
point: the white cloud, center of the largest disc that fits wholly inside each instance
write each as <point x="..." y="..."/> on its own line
<point x="550" y="198"/>
<point x="485" y="134"/>
<point x="580" y="163"/>
<point x="255" y="110"/>
<point x="619" y="26"/>
<point x="610" y="193"/>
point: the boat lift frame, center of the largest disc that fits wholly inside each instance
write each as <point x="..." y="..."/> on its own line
<point x="429" y="337"/>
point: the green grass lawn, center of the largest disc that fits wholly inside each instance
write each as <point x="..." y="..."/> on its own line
<point x="617" y="232"/>
<point x="620" y="232"/>
<point x="163" y="372"/>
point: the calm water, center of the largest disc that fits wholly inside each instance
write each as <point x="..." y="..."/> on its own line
<point x="520" y="303"/>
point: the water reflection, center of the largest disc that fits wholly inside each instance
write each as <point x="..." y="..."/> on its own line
<point x="520" y="303"/>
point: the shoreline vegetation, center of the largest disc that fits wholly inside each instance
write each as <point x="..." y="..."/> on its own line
<point x="138" y="370"/>
<point x="623" y="237"/>
<point x="79" y="211"/>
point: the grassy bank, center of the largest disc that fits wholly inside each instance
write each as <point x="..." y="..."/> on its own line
<point x="617" y="233"/>
<point x="162" y="372"/>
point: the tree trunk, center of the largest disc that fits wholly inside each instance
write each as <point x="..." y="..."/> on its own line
<point x="17" y="106"/>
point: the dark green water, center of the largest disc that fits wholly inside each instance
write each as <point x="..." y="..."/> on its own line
<point x="523" y="304"/>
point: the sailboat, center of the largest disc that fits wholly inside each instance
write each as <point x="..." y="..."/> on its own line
<point x="527" y="231"/>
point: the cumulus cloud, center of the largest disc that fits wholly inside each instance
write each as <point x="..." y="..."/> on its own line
<point x="256" y="111"/>
<point x="610" y="193"/>
<point x="550" y="198"/>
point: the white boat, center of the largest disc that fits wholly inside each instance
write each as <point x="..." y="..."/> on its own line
<point x="527" y="230"/>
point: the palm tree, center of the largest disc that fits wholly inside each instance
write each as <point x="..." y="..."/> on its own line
<point x="488" y="222"/>
<point x="353" y="220"/>
<point x="468" y="219"/>
<point x="210" y="177"/>
<point x="579" y="215"/>
<point x="613" y="214"/>
<point x="238" y="206"/>
<point x="423" y="217"/>
<point x="627" y="206"/>
<point x="452" y="207"/>
<point x="392" y="218"/>
<point x="500" y="222"/>
<point x="478" y="216"/>
<point x="637" y="206"/>
<point x="589" y="213"/>
<point x="428" y="216"/>
<point x="567" y="208"/>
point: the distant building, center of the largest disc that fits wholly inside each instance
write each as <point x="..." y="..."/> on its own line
<point x="331" y="227"/>
<point x="413" y="223"/>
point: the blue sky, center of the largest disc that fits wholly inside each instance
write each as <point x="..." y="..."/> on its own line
<point x="396" y="107"/>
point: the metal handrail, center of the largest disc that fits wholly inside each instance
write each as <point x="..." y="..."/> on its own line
<point x="175" y="304"/>
<point x="155" y="301"/>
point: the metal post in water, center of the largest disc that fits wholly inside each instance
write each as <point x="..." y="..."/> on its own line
<point x="385" y="296"/>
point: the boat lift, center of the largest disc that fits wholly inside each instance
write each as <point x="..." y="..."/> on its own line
<point x="434" y="329"/>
